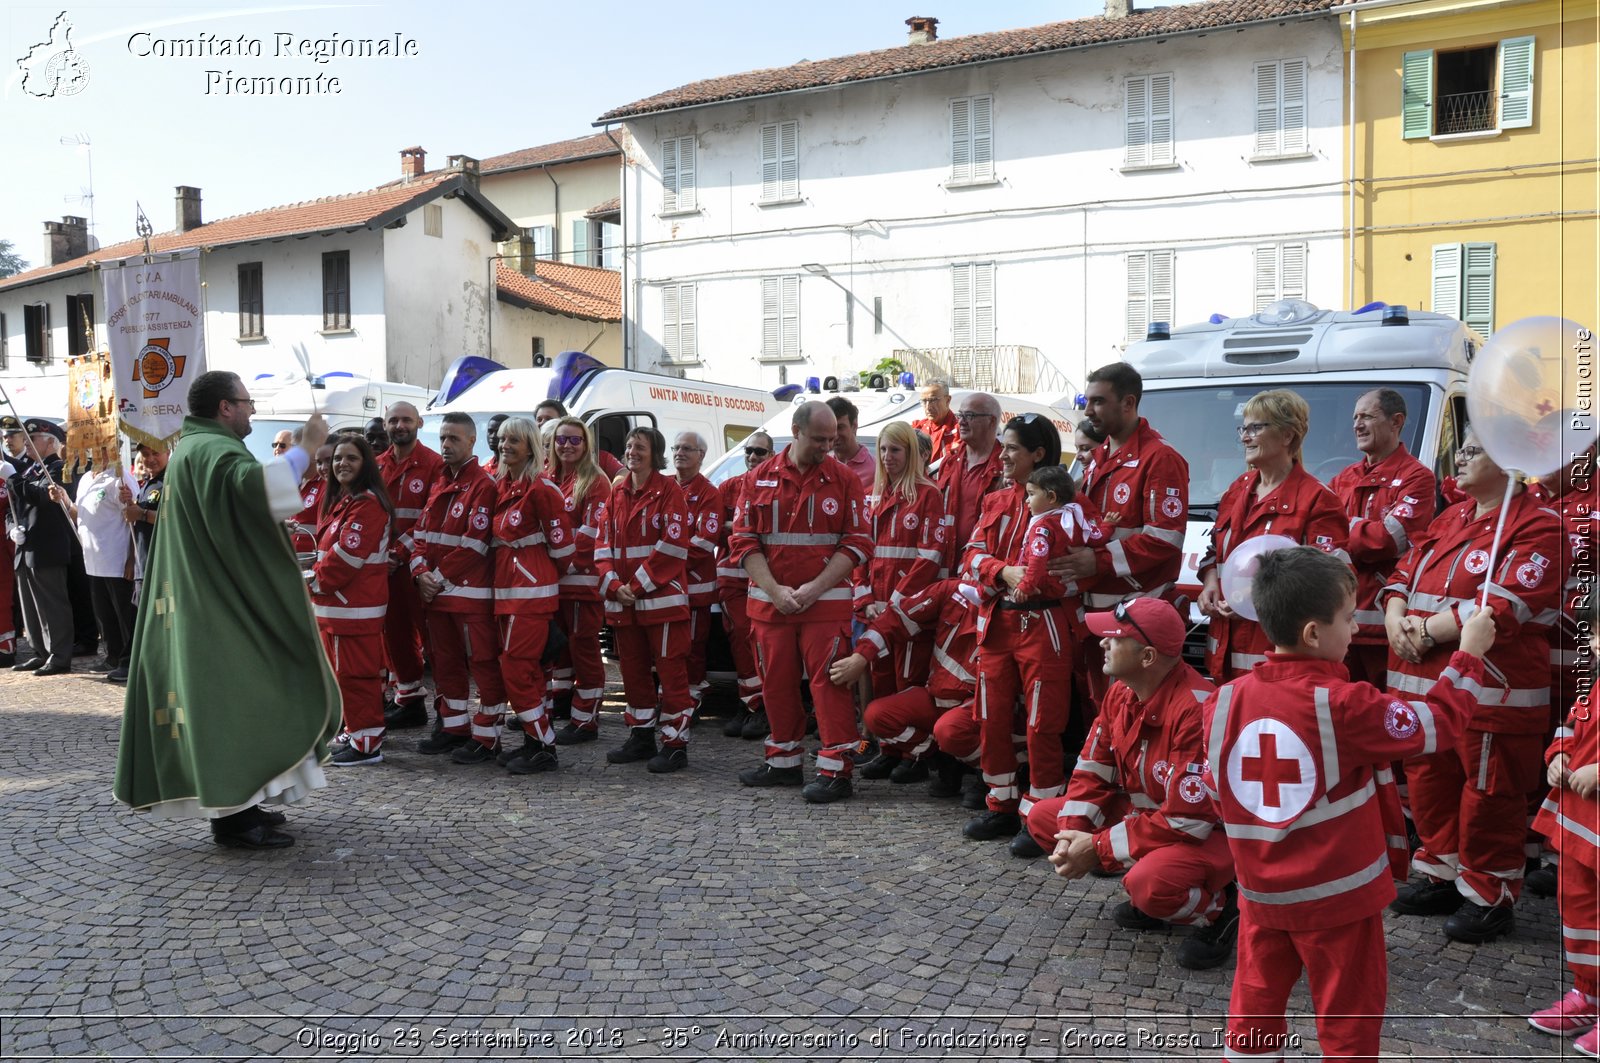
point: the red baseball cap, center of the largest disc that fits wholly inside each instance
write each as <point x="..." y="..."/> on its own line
<point x="1153" y="622"/>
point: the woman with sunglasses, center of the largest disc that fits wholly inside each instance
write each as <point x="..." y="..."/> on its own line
<point x="1276" y="497"/>
<point x="350" y="593"/>
<point x="733" y="588"/>
<point x="1469" y="803"/>
<point x="579" y="675"/>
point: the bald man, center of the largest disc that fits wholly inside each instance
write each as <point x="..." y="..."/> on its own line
<point x="409" y="470"/>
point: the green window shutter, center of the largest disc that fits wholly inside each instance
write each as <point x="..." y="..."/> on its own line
<point x="1447" y="279"/>
<point x="1416" y="95"/>
<point x="1516" y="83"/>
<point x="580" y="242"/>
<point x="1477" y="288"/>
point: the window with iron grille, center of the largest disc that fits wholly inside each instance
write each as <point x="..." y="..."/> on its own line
<point x="1483" y="89"/>
<point x="252" y="323"/>
<point x="335" y="291"/>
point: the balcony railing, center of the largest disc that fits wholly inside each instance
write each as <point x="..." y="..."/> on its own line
<point x="1011" y="369"/>
<point x="1465" y="112"/>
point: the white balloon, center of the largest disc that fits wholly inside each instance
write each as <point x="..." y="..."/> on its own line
<point x="1239" y="571"/>
<point x="1530" y="395"/>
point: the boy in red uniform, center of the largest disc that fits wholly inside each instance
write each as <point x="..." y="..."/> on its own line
<point x="1298" y="765"/>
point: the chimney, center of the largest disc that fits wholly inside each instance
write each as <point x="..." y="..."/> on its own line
<point x="188" y="208"/>
<point x="66" y="239"/>
<point x="1119" y="8"/>
<point x="519" y="252"/>
<point x="465" y="165"/>
<point x="413" y="163"/>
<point x="924" y="30"/>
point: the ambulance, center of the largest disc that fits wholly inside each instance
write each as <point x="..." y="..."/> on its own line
<point x="344" y="400"/>
<point x="1197" y="379"/>
<point x="884" y="401"/>
<point x="611" y="401"/>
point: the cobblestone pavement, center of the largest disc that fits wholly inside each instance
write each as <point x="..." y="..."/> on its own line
<point x="431" y="910"/>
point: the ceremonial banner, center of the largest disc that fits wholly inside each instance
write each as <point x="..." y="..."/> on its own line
<point x="156" y="329"/>
<point x="91" y="414"/>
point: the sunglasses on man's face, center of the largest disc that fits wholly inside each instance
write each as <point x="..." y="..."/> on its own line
<point x="757" y="452"/>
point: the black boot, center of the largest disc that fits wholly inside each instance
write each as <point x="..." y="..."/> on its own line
<point x="641" y="745"/>
<point x="948" y="772"/>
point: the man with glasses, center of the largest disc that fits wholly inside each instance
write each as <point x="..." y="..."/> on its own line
<point x="705" y="525"/>
<point x="230" y="698"/>
<point x="940" y="425"/>
<point x="1137" y="802"/>
<point x="282" y="442"/>
<point x="971" y="466"/>
<point x="1389" y="497"/>
<point x="733" y="585"/>
<point x="409" y="470"/>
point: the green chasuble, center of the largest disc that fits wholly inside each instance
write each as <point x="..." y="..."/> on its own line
<point x="230" y="698"/>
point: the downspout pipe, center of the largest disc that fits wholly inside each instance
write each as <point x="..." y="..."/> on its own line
<point x="629" y="324"/>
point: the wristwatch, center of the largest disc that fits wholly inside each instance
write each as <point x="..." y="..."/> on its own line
<point x="1427" y="639"/>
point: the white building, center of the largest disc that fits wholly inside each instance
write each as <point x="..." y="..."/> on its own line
<point x="980" y="199"/>
<point x="564" y="195"/>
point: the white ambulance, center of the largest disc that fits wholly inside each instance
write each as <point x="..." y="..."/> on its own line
<point x="1197" y="379"/>
<point x="610" y="401"/>
<point x="344" y="400"/>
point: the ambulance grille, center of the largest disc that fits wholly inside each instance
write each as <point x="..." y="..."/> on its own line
<point x="1267" y="339"/>
<point x="1260" y="357"/>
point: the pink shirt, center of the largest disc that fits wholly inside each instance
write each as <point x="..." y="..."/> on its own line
<point x="863" y="465"/>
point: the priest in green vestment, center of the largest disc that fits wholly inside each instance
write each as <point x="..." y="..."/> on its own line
<point x="231" y="703"/>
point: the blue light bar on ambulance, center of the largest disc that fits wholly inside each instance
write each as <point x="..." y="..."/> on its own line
<point x="1159" y="330"/>
<point x="814" y="385"/>
<point x="786" y="392"/>
<point x="464" y="372"/>
<point x="908" y="380"/>
<point x="570" y="367"/>
<point x="1376" y="305"/>
<point x="1396" y="315"/>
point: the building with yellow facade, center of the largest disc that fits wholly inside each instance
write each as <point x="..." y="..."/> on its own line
<point x="1472" y="147"/>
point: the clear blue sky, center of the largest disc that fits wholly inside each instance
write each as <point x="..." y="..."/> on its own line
<point x="487" y="78"/>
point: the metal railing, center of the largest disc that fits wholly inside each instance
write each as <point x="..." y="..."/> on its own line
<point x="1464" y="112"/>
<point x="1009" y="369"/>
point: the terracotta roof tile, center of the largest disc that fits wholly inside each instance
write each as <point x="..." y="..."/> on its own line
<point x="590" y="147"/>
<point x="317" y="215"/>
<point x="562" y="288"/>
<point x="976" y="48"/>
<point x="610" y="206"/>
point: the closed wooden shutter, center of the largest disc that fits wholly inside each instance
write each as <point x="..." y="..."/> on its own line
<point x="1516" y="83"/>
<point x="1477" y="287"/>
<point x="1416" y="95"/>
<point x="1447" y="279"/>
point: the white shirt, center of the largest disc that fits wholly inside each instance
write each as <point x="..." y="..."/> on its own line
<point x="105" y="536"/>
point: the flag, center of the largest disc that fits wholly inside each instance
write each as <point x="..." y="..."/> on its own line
<point x="156" y="327"/>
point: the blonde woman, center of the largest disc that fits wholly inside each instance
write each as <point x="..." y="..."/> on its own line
<point x="579" y="675"/>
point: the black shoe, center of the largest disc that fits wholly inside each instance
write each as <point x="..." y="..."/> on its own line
<point x="351" y="757"/>
<point x="767" y="775"/>
<point x="533" y="759"/>
<point x="1024" y="847"/>
<point x="508" y="754"/>
<point x="948" y="773"/>
<point x="1129" y="917"/>
<point x="573" y="735"/>
<point x="257" y="814"/>
<point x="1211" y="946"/>
<point x="992" y="825"/>
<point x="668" y="761"/>
<point x="1428" y="898"/>
<point x="1473" y="924"/>
<point x="909" y="771"/>
<point x="412" y="712"/>
<point x="561" y="707"/>
<point x="974" y="793"/>
<point x="118" y="675"/>
<point x="54" y="668"/>
<point x="8" y="660"/>
<point x="641" y="745"/>
<point x="1541" y="882"/>
<point x="475" y="752"/>
<point x="880" y="767"/>
<point x="866" y="752"/>
<point x="441" y="741"/>
<point x="756" y="725"/>
<point x="255" y="836"/>
<point x="85" y="649"/>
<point x="826" y="789"/>
<point x="102" y="666"/>
<point x="29" y="665"/>
<point x="734" y="727"/>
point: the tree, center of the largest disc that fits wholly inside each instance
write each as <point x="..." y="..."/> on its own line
<point x="10" y="262"/>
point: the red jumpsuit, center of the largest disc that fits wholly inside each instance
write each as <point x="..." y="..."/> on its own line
<point x="733" y="585"/>
<point x="905" y="720"/>
<point x="451" y="540"/>
<point x="532" y="541"/>
<point x="644" y="546"/>
<point x="798" y="519"/>
<point x="964" y="491"/>
<point x="1298" y="765"/>
<point x="1137" y="789"/>
<point x="408" y="482"/>
<point x="303" y="525"/>
<point x="1470" y="801"/>
<point x="1024" y="649"/>
<point x="1572" y="824"/>
<point x="909" y="547"/>
<point x="942" y="433"/>
<point x="704" y="505"/>
<point x="1389" y="504"/>
<point x="350" y="595"/>
<point x="1300" y="508"/>
<point x="582" y="613"/>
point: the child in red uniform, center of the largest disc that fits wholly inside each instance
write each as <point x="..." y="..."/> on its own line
<point x="1570" y="818"/>
<point x="1061" y="521"/>
<point x="1298" y="764"/>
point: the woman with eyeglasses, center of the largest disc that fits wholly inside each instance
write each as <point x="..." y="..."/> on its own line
<point x="1470" y="803"/>
<point x="350" y="593"/>
<point x="532" y="541"/>
<point x="1275" y="497"/>
<point x="579" y="676"/>
<point x="733" y="587"/>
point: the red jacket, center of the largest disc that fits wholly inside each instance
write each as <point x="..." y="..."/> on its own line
<point x="1388" y="504"/>
<point x="997" y="542"/>
<point x="409" y="483"/>
<point x="303" y="525"/>
<point x="1137" y="786"/>
<point x="1300" y="508"/>
<point x="965" y="489"/>
<point x="704" y="504"/>
<point x="1142" y="493"/>
<point x="532" y="541"/>
<point x="798" y="520"/>
<point x="580" y="579"/>
<point x="350" y="581"/>
<point x="1050" y="536"/>
<point x="644" y="546"/>
<point x="942" y="433"/>
<point x="451" y="540"/>
<point x="948" y="609"/>
<point x="1298" y="765"/>
<point x="909" y="544"/>
<point x="732" y="580"/>
<point x="1444" y="570"/>
<point x="1572" y="823"/>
